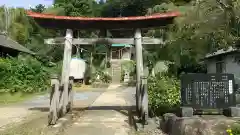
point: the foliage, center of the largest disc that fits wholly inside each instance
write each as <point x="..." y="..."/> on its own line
<point x="116" y="8"/>
<point x="100" y="76"/>
<point x="76" y="7"/>
<point x="128" y="66"/>
<point x="23" y="74"/>
<point x="203" y="27"/>
<point x="234" y="130"/>
<point x="28" y="33"/>
<point x="39" y="8"/>
<point x="164" y="93"/>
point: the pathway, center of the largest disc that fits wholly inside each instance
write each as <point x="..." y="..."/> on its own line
<point x="106" y="116"/>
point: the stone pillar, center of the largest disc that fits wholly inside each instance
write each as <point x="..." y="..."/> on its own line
<point x="139" y="64"/>
<point x="66" y="69"/>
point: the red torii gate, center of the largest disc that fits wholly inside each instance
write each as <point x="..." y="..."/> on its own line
<point x="69" y="23"/>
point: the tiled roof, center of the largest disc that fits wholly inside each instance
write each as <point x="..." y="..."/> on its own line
<point x="9" y="43"/>
<point x="220" y="52"/>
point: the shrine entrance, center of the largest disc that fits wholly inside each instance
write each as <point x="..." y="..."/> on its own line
<point x="61" y="100"/>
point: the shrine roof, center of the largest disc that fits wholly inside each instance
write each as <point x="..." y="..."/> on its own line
<point x="64" y="22"/>
<point x="121" y="45"/>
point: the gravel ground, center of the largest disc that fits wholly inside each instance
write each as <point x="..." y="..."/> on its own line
<point x="29" y="118"/>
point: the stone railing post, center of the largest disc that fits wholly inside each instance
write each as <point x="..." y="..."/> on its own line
<point x="54" y="100"/>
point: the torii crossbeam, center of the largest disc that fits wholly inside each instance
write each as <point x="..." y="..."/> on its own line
<point x="90" y="41"/>
<point x="80" y="23"/>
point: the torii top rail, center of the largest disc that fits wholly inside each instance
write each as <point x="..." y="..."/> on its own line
<point x="65" y="22"/>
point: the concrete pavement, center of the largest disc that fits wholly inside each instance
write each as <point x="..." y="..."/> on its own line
<point x="108" y="115"/>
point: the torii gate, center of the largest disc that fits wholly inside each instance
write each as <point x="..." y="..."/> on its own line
<point x="69" y="23"/>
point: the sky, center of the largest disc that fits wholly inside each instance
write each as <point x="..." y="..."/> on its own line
<point x="25" y="3"/>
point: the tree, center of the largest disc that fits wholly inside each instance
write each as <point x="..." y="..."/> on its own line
<point x="76" y="7"/>
<point x="39" y="8"/>
<point x="203" y="27"/>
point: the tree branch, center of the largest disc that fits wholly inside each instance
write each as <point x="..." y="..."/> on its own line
<point x="223" y="5"/>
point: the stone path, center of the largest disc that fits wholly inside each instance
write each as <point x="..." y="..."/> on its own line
<point x="106" y="116"/>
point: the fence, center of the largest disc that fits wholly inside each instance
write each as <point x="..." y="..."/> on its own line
<point x="208" y="91"/>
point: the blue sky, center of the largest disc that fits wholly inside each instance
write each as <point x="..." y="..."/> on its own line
<point x="25" y="3"/>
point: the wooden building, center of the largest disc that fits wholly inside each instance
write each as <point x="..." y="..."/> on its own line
<point x="11" y="47"/>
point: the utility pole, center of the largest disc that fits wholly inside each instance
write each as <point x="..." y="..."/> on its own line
<point x="7" y="18"/>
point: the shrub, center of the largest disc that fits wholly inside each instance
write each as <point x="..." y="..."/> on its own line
<point x="104" y="77"/>
<point x="24" y="74"/>
<point x="164" y="93"/>
<point x="234" y="130"/>
<point x="128" y="66"/>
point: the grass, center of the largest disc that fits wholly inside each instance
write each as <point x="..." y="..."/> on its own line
<point x="10" y="98"/>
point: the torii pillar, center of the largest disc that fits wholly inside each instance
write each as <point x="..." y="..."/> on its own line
<point x="139" y="64"/>
<point x="65" y="71"/>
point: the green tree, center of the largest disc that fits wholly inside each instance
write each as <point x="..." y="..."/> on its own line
<point x="39" y="8"/>
<point x="203" y="27"/>
<point x="76" y="7"/>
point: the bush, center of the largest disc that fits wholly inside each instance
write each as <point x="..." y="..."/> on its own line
<point x="128" y="66"/>
<point x="164" y="94"/>
<point x="234" y="130"/>
<point x="24" y="74"/>
<point x="104" y="77"/>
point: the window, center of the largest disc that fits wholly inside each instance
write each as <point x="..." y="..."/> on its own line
<point x="220" y="67"/>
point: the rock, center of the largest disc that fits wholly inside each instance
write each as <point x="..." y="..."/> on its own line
<point x="186" y="111"/>
<point x="169" y="120"/>
<point x="234" y="111"/>
<point x="206" y="125"/>
<point x="190" y="126"/>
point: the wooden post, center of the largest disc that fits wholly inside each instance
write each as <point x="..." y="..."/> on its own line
<point x="139" y="65"/>
<point x="65" y="70"/>
<point x="54" y="100"/>
<point x="144" y="100"/>
<point x="71" y="94"/>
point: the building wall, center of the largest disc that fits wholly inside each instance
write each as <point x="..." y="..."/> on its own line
<point x="124" y="54"/>
<point x="232" y="67"/>
<point x="211" y="66"/>
<point x="4" y="52"/>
